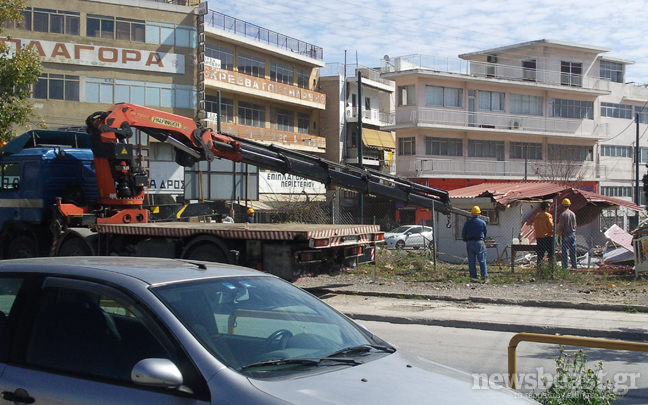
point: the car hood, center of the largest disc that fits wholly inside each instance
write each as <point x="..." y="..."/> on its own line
<point x="398" y="378"/>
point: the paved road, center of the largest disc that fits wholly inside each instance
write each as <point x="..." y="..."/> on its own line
<point x="480" y="351"/>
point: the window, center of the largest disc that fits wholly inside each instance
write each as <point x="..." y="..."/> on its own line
<point x="77" y="329"/>
<point x="251" y="65"/>
<point x="51" y="21"/>
<point x="617" y="151"/>
<point x="491" y="101"/>
<point x="406" y="95"/>
<point x="170" y="34"/>
<point x="612" y="71"/>
<point x="303" y="78"/>
<point x="571" y="108"/>
<point x="643" y="155"/>
<point x="225" y="55"/>
<point x="99" y="26"/>
<point x="443" y="146"/>
<point x="460" y="220"/>
<point x="9" y="287"/>
<point x="10" y="176"/>
<point x="616" y="110"/>
<point x="443" y="96"/>
<point x="616" y="191"/>
<point x="151" y="94"/>
<point x="571" y="74"/>
<point x="483" y="148"/>
<point x="251" y="115"/>
<point x="533" y="150"/>
<point x="570" y="153"/>
<point x="130" y="30"/>
<point x="303" y="123"/>
<point x="280" y="72"/>
<point x="407" y="146"/>
<point x="367" y="105"/>
<point x="285" y="120"/>
<point x="529" y="70"/>
<point x="57" y="87"/>
<point x="227" y="107"/>
<point x="525" y="104"/>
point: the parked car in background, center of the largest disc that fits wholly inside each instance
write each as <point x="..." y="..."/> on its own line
<point x="118" y="330"/>
<point x="409" y="236"/>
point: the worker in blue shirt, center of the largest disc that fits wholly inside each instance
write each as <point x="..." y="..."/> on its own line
<point x="473" y="233"/>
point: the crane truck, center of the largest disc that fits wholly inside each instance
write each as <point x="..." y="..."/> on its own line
<point x="75" y="193"/>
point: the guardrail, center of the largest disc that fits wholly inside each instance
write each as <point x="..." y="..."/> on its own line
<point x="564" y="340"/>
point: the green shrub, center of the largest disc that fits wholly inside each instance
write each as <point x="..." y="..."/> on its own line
<point x="576" y="384"/>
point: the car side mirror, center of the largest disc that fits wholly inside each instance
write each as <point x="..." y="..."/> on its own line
<point x="157" y="373"/>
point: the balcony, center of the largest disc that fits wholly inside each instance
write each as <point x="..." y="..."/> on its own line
<point x="495" y="71"/>
<point x="246" y="29"/>
<point x="372" y="116"/>
<point x="480" y="121"/>
<point x="368" y="158"/>
<point x="413" y="166"/>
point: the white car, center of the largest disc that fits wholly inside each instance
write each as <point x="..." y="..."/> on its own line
<point x="409" y="236"/>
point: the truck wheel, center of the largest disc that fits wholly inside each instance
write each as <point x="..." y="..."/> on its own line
<point x="22" y="247"/>
<point x="207" y="252"/>
<point x="74" y="247"/>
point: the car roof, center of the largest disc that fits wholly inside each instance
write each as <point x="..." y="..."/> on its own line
<point x="149" y="270"/>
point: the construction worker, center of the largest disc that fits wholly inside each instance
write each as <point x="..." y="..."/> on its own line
<point x="567" y="226"/>
<point x="250" y="217"/>
<point x="473" y="233"/>
<point x="543" y="225"/>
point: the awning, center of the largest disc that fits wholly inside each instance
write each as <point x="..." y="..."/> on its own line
<point x="378" y="139"/>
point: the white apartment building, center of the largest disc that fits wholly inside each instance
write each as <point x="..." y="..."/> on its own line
<point x="539" y="110"/>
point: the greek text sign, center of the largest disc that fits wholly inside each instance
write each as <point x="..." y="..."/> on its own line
<point x="102" y="56"/>
<point x="279" y="183"/>
<point x="166" y="178"/>
<point x="257" y="83"/>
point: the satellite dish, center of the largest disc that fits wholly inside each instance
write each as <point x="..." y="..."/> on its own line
<point x="386" y="57"/>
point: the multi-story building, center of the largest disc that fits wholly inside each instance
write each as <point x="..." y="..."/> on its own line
<point x="96" y="53"/>
<point x="269" y="92"/>
<point x="346" y="109"/>
<point x="540" y="110"/>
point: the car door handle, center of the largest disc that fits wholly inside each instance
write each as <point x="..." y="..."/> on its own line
<point x="19" y="396"/>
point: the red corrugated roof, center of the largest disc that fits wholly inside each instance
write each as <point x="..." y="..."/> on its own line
<point x="503" y="193"/>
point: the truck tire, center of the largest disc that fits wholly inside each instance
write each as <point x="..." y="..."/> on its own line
<point x="22" y="247"/>
<point x="207" y="252"/>
<point x="74" y="247"/>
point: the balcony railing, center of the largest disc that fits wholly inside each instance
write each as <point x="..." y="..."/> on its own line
<point x="379" y="118"/>
<point x="423" y="167"/>
<point x="461" y="118"/>
<point x="494" y="70"/>
<point x="337" y="69"/>
<point x="239" y="27"/>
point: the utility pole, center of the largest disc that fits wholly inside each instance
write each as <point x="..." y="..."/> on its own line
<point x="637" y="199"/>
<point x="360" y="142"/>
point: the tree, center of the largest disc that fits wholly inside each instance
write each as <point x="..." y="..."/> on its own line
<point x="19" y="70"/>
<point x="564" y="165"/>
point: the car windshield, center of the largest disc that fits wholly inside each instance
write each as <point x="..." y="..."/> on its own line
<point x="256" y="322"/>
<point x="400" y="229"/>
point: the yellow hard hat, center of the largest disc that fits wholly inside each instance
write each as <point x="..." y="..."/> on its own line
<point x="476" y="210"/>
<point x="250" y="211"/>
<point x="566" y="202"/>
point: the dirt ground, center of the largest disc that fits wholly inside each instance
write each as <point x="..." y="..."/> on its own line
<point x="522" y="287"/>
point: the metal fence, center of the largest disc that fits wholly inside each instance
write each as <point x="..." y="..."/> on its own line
<point x="602" y="235"/>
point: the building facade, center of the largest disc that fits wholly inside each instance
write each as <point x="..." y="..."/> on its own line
<point x="541" y="110"/>
<point x="269" y="92"/>
<point x="96" y="53"/>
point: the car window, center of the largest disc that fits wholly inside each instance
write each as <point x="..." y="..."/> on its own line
<point x="9" y="287"/>
<point x="400" y="229"/>
<point x="415" y="229"/>
<point x="248" y="320"/>
<point x="91" y="332"/>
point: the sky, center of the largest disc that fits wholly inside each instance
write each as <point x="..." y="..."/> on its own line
<point x="368" y="30"/>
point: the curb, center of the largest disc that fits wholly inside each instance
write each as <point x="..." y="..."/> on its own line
<point x="484" y="300"/>
<point x="632" y="335"/>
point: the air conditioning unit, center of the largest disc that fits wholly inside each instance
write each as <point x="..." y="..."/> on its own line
<point x="491" y="59"/>
<point x="515" y="124"/>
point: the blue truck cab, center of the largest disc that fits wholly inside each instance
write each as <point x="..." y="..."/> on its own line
<point x="36" y="168"/>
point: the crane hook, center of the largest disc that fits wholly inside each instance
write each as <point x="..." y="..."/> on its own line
<point x="448" y="225"/>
